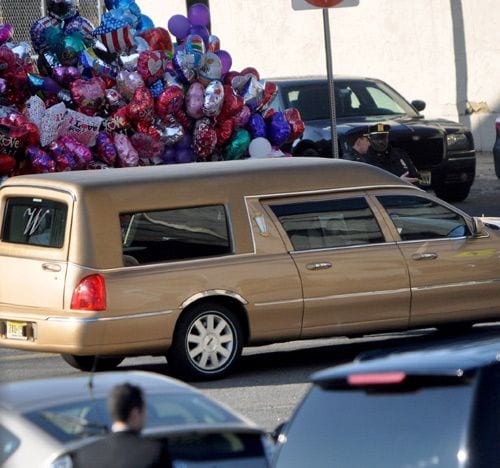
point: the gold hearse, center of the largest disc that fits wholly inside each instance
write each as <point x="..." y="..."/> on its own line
<point x="196" y="261"/>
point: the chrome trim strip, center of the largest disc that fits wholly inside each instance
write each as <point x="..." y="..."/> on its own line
<point x="359" y="294"/>
<point x="213" y="292"/>
<point x="457" y="285"/>
<point x="344" y="247"/>
<point x="48" y="187"/>
<point x="347" y="189"/>
<point x="107" y="319"/>
<point x="462" y="158"/>
<point x="441" y="239"/>
<point x="273" y="303"/>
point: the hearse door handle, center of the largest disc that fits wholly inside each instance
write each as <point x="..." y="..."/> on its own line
<point x="319" y="266"/>
<point x="54" y="267"/>
<point x="425" y="256"/>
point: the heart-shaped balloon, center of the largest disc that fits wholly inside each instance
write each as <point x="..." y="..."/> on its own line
<point x="89" y="95"/>
<point x="233" y="103"/>
<point x="204" y="138"/>
<point x="194" y="100"/>
<point x="151" y="65"/>
<point x="141" y="108"/>
<point x="170" y="101"/>
<point x="292" y="116"/>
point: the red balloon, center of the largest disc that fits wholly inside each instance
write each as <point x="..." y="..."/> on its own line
<point x="224" y="130"/>
<point x="251" y="70"/>
<point x="158" y="39"/>
<point x="7" y="164"/>
<point x="141" y="107"/>
<point x="170" y="101"/>
<point x="232" y="104"/>
<point x="184" y="119"/>
<point x="151" y="65"/>
<point x="228" y="77"/>
<point x="292" y="116"/>
<point x="270" y="91"/>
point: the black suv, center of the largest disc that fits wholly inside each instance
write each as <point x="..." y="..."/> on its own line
<point x="436" y="406"/>
<point x="443" y="151"/>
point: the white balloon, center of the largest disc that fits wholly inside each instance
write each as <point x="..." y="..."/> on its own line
<point x="260" y="147"/>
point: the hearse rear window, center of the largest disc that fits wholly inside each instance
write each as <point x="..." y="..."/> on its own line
<point x="34" y="221"/>
<point x="178" y="234"/>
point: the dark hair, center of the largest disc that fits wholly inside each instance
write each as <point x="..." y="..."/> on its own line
<point x="123" y="399"/>
<point x="353" y="137"/>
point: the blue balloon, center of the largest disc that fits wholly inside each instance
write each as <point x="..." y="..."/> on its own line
<point x="257" y="126"/>
<point x="278" y="129"/>
<point x="145" y="23"/>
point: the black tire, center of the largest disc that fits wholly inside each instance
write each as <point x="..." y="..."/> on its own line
<point x="207" y="342"/>
<point x="92" y="363"/>
<point x="452" y="193"/>
<point x="496" y="161"/>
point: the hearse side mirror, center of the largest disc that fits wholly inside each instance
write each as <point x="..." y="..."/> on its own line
<point x="418" y="104"/>
<point x="478" y="228"/>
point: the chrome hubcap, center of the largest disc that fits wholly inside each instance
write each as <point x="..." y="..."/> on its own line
<point x="210" y="342"/>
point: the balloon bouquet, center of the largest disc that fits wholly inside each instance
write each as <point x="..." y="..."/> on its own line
<point x="123" y="94"/>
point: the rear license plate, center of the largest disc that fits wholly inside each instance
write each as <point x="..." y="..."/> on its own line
<point x="16" y="330"/>
<point x="425" y="178"/>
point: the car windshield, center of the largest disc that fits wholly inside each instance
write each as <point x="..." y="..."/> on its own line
<point x="356" y="429"/>
<point x="356" y="98"/>
<point x="76" y="420"/>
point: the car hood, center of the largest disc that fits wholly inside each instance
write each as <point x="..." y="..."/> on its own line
<point x="401" y="126"/>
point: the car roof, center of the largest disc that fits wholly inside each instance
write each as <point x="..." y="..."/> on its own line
<point x="299" y="173"/>
<point x="452" y="357"/>
<point x="27" y="395"/>
<point x="300" y="80"/>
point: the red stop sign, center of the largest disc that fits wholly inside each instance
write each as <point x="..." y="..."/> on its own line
<point x="324" y="3"/>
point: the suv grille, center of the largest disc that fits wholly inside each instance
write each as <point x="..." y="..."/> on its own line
<point x="425" y="153"/>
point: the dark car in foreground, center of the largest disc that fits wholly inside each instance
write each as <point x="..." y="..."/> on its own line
<point x="43" y="421"/>
<point x="442" y="150"/>
<point x="436" y="406"/>
<point x="496" y="148"/>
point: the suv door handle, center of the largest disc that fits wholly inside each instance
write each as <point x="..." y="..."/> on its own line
<point x="51" y="267"/>
<point x="425" y="256"/>
<point x="319" y="266"/>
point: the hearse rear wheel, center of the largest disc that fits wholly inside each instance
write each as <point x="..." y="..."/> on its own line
<point x="92" y="363"/>
<point x="207" y="342"/>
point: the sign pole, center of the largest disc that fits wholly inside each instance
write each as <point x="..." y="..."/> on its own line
<point x="331" y="85"/>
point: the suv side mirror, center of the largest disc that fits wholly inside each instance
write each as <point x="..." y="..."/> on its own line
<point x="418" y="104"/>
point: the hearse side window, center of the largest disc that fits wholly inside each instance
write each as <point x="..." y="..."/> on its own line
<point x="418" y="218"/>
<point x="34" y="221"/>
<point x="329" y="223"/>
<point x="178" y="234"/>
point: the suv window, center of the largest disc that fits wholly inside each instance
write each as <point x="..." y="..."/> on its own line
<point x="358" y="429"/>
<point x="34" y="221"/>
<point x="8" y="444"/>
<point x="167" y="235"/>
<point x="419" y="218"/>
<point x="329" y="223"/>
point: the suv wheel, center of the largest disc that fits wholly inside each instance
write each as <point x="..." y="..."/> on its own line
<point x="207" y="341"/>
<point x="452" y="193"/>
<point x="496" y="161"/>
<point x="92" y="363"/>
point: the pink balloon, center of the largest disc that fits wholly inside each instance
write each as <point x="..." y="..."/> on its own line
<point x="194" y="100"/>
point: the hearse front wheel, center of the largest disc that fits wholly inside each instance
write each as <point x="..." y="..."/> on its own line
<point x="207" y="342"/>
<point x="92" y="363"/>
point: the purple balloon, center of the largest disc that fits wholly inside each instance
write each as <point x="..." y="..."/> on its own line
<point x="225" y="59"/>
<point x="257" y="126"/>
<point x="185" y="155"/>
<point x="199" y="14"/>
<point x="278" y="129"/>
<point x="169" y="155"/>
<point x="185" y="142"/>
<point x="201" y="31"/>
<point x="179" y="26"/>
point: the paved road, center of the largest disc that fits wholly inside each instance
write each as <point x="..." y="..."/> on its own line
<point x="484" y="198"/>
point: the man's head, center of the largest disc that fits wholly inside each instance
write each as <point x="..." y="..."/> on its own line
<point x="126" y="405"/>
<point x="61" y="8"/>
<point x="378" y="135"/>
<point x="359" y="142"/>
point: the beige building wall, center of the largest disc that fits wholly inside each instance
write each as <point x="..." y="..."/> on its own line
<point x="446" y="52"/>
